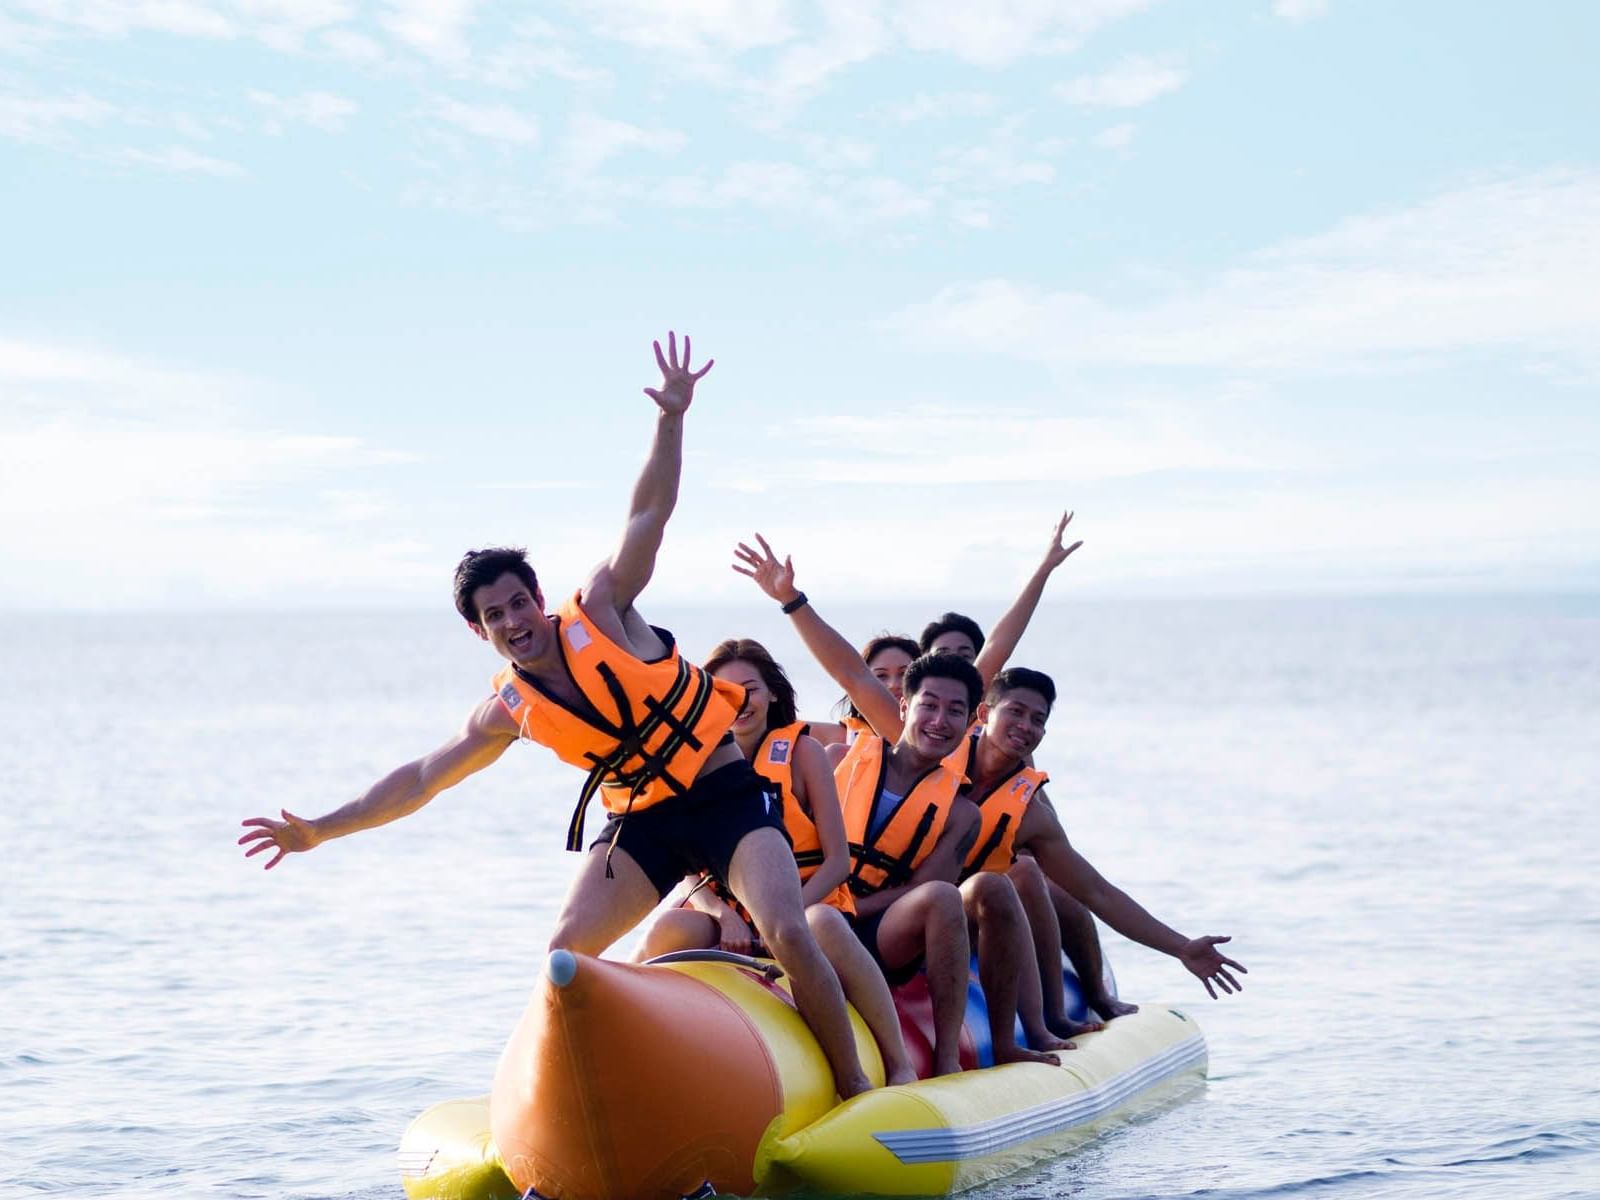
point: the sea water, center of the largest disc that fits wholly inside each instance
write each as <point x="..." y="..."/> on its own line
<point x="1390" y="804"/>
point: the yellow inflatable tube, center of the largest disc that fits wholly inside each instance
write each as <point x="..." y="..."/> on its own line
<point x="659" y="1082"/>
<point x="939" y="1136"/>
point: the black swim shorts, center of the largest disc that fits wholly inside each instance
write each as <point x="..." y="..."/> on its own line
<point x="697" y="831"/>
<point x="866" y="931"/>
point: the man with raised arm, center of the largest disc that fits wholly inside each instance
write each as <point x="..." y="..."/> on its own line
<point x="954" y="633"/>
<point x="910" y="829"/>
<point x="611" y="694"/>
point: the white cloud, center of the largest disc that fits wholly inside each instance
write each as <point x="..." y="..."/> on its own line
<point x="942" y="106"/>
<point x="788" y="189"/>
<point x="125" y="482"/>
<point x="179" y="159"/>
<point x="937" y="448"/>
<point x="851" y="33"/>
<point x="1299" y="11"/>
<point x="536" y="50"/>
<point x="692" y="25"/>
<point x="44" y="120"/>
<point x="1128" y="84"/>
<point x="352" y="47"/>
<point x="496" y="122"/>
<point x="1000" y="32"/>
<point x="278" y="23"/>
<point x="321" y="110"/>
<point x="1116" y="137"/>
<point x="1504" y="264"/>
<point x="593" y="140"/>
<point x="436" y="29"/>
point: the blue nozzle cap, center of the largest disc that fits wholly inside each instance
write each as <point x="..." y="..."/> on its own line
<point x="561" y="967"/>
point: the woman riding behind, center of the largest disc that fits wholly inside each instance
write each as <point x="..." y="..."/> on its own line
<point x="800" y="786"/>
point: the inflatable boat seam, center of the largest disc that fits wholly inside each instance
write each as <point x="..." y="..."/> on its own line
<point x="1001" y="1133"/>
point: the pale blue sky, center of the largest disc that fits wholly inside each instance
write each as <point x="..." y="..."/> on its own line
<point x="300" y="298"/>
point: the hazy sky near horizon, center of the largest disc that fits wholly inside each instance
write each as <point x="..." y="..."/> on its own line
<point x="301" y="298"/>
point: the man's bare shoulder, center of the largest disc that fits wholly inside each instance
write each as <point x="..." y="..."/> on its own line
<point x="490" y="720"/>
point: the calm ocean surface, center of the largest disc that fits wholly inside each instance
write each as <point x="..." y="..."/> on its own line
<point x="1393" y="806"/>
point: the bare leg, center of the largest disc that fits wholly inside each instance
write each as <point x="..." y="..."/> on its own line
<point x="927" y="921"/>
<point x="597" y="910"/>
<point x="678" y="929"/>
<point x="763" y="875"/>
<point x="1033" y="890"/>
<point x="864" y="987"/>
<point x="1081" y="940"/>
<point x="1003" y="948"/>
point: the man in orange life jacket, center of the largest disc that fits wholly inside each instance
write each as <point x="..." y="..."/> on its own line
<point x="910" y="830"/>
<point x="608" y="692"/>
<point x="1018" y="819"/>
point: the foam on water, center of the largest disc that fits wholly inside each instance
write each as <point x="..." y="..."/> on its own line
<point x="1389" y="804"/>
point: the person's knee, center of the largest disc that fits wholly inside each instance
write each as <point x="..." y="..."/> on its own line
<point x="786" y="932"/>
<point x="827" y="924"/>
<point x="994" y="899"/>
<point x="1027" y="878"/>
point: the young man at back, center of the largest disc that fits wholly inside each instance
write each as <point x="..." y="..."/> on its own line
<point x="610" y="693"/>
<point x="1020" y="833"/>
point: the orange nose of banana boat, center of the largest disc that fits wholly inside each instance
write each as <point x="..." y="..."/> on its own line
<point x="650" y="1082"/>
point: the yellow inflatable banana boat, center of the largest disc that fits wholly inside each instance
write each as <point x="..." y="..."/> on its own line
<point x="698" y="1077"/>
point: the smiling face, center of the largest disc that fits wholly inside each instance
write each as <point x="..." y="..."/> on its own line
<point x="512" y="620"/>
<point x="953" y="641"/>
<point x="752" y="717"/>
<point x="888" y="667"/>
<point x="936" y="716"/>
<point x="1016" y="721"/>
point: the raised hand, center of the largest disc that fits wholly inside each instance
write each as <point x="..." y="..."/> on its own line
<point x="1054" y="555"/>
<point x="1209" y="965"/>
<point x="676" y="392"/>
<point x="286" y="836"/>
<point x="774" y="578"/>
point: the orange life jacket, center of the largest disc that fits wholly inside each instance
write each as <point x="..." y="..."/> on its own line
<point x="912" y="830"/>
<point x="774" y="762"/>
<point x="650" y="725"/>
<point x="1003" y="809"/>
<point x="854" y="727"/>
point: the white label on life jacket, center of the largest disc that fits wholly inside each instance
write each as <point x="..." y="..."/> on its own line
<point x="578" y="635"/>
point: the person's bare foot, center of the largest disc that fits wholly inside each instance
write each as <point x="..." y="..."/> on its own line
<point x="946" y="1064"/>
<point x="1047" y="1039"/>
<point x="898" y="1075"/>
<point x="852" y="1087"/>
<point x="1109" y="1007"/>
<point x="1015" y="1053"/>
<point x="1066" y="1027"/>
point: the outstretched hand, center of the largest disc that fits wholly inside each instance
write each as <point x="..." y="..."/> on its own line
<point x="1210" y="966"/>
<point x="286" y="836"/>
<point x="774" y="578"/>
<point x="676" y="392"/>
<point x="1054" y="555"/>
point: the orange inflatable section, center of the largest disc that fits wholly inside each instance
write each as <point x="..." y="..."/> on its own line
<point x="649" y="1082"/>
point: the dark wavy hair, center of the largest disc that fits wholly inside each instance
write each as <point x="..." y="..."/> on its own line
<point x="945" y="666"/>
<point x="884" y="641"/>
<point x="951" y="622"/>
<point x="781" y="711"/>
<point x="1013" y="678"/>
<point x="479" y="568"/>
